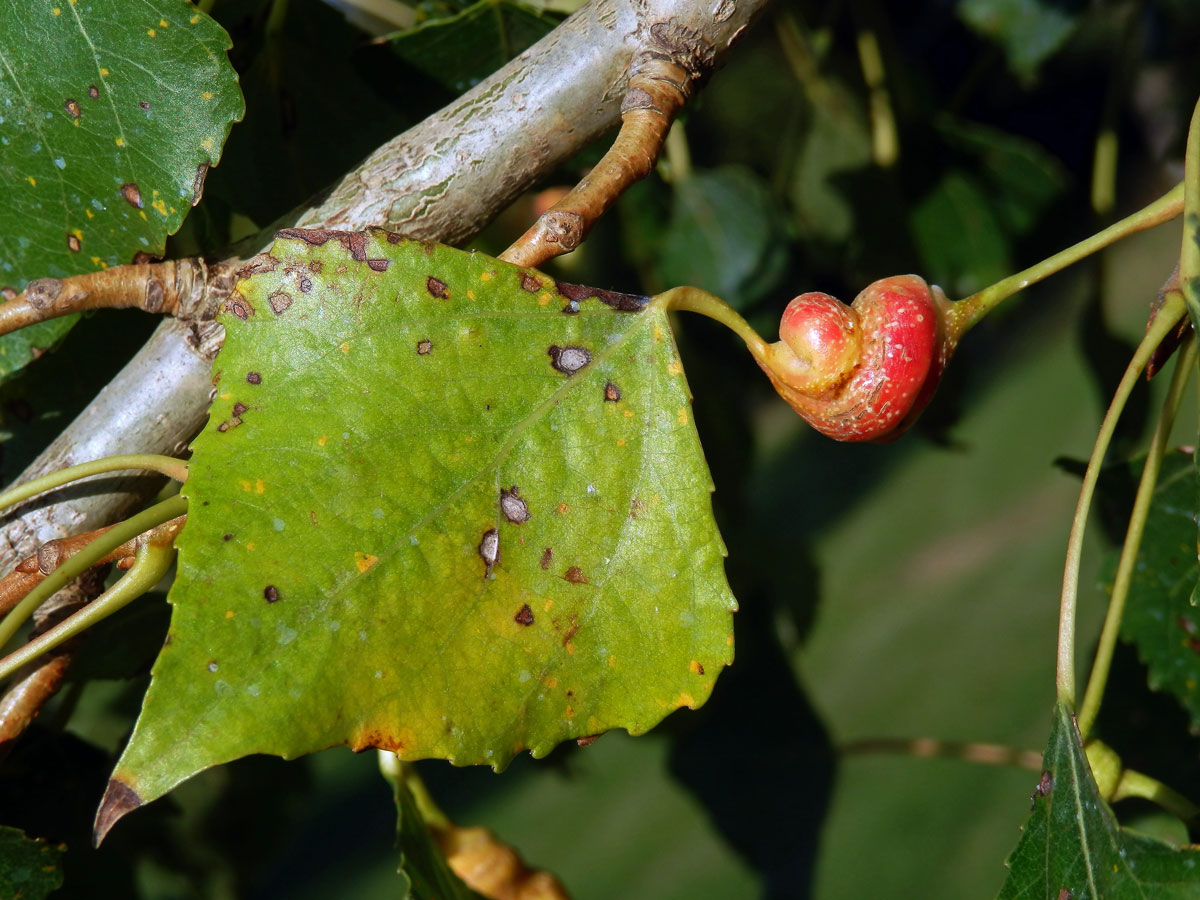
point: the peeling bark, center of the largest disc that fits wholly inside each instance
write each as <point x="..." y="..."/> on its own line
<point x="442" y="180"/>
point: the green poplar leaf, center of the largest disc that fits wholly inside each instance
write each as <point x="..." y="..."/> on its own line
<point x="1028" y="31"/>
<point x="111" y="113"/>
<point x="1159" y="617"/>
<point x="1072" y="847"/>
<point x="443" y="506"/>
<point x="29" y="869"/>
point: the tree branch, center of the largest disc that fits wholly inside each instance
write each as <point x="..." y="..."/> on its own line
<point x="441" y="180"/>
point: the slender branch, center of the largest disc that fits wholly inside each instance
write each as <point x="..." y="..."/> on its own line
<point x="152" y="561"/>
<point x="32" y="570"/>
<point x="1162" y="324"/>
<point x="88" y="557"/>
<point x="173" y="288"/>
<point x="932" y="748"/>
<point x="36" y="684"/>
<point x="1089" y="708"/>
<point x="1135" y="784"/>
<point x="970" y="311"/>
<point x="661" y="80"/>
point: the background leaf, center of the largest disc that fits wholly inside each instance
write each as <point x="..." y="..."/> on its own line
<point x="28" y="868"/>
<point x="1159" y="619"/>
<point x="440" y="507"/>
<point x="1072" y="848"/>
<point x="459" y="50"/>
<point x="1028" y="31"/>
<point x="110" y="114"/>
<point x="422" y="862"/>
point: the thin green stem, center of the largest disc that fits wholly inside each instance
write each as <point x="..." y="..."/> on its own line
<point x="1166" y="320"/>
<point x="969" y="312"/>
<point x="698" y="301"/>
<point x="169" y="466"/>
<point x="1189" y="252"/>
<point x="151" y="563"/>
<point x="1135" y="784"/>
<point x="87" y="557"/>
<point x="1092" y="695"/>
<point x="398" y="772"/>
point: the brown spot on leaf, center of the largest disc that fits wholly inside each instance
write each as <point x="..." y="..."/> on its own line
<point x="73" y="243"/>
<point x="524" y="615"/>
<point x="378" y="264"/>
<point x="489" y="550"/>
<point x="93" y="92"/>
<point x="271" y="593"/>
<point x="141" y="258"/>
<point x="572" y="630"/>
<point x="575" y="575"/>
<point x="305" y="284"/>
<point x="132" y="195"/>
<point x="1044" y="786"/>
<point x="577" y="293"/>
<point x="424" y="346"/>
<point x="227" y="537"/>
<point x="354" y="241"/>
<point x="280" y="301"/>
<point x="253" y="378"/>
<point x="144" y="105"/>
<point x="263" y="262"/>
<point x="1066" y="894"/>
<point x="587" y="741"/>
<point x="530" y="283"/>
<point x="612" y="393"/>
<point x="229" y="424"/>
<point x="569" y="360"/>
<point x="237" y="305"/>
<point x="198" y="182"/>
<point x="315" y="266"/>
<point x="239" y="408"/>
<point x="437" y="288"/>
<point x="72" y="107"/>
<point x="119" y="799"/>
<point x="515" y="509"/>
<point x="547" y="558"/>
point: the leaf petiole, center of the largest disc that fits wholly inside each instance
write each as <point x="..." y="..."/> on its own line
<point x="151" y="563"/>
<point x="699" y="301"/>
<point x="968" y="312"/>
<point x="87" y="557"/>
<point x="1092" y="695"/>
<point x="166" y="465"/>
<point x="1163" y="323"/>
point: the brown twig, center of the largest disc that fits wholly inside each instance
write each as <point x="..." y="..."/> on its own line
<point x="33" y="685"/>
<point x="174" y="288"/>
<point x="931" y="748"/>
<point x="662" y="78"/>
<point x="30" y="571"/>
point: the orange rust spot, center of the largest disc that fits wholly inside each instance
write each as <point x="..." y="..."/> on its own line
<point x="620" y="442"/>
<point x="561" y="508"/>
<point x="675" y="368"/>
<point x="543" y="299"/>
<point x="321" y="441"/>
<point x="120" y="142"/>
<point x="549" y="603"/>
<point x="658" y="333"/>
<point x="194" y="20"/>
<point x="570" y="712"/>
<point x="612" y="662"/>
<point x="695" y="668"/>
<point x="259" y="487"/>
<point x="551" y="682"/>
<point x="570" y="645"/>
<point x="729" y="641"/>
<point x="485" y="276"/>
<point x="102" y="71"/>
<point x="250" y="546"/>
<point x="229" y="613"/>
<point x="344" y="347"/>
<point x="470" y="294"/>
<point x="364" y="561"/>
<point x="32" y="181"/>
<point x="683" y="417"/>
<point x="151" y="32"/>
<point x="245" y="485"/>
<point x="207" y="95"/>
<point x="629" y="413"/>
<point x="89" y="214"/>
<point x="686" y="699"/>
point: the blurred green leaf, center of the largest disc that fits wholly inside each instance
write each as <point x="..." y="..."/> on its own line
<point x="1159" y="619"/>
<point x="962" y="244"/>
<point x="836" y="141"/>
<point x="29" y="869"/>
<point x="1071" y="847"/>
<point x="460" y="50"/>
<point x="725" y="235"/>
<point x="422" y="863"/>
<point x="1022" y="179"/>
<point x="1028" y="31"/>
<point x="110" y="115"/>
<point x="530" y="558"/>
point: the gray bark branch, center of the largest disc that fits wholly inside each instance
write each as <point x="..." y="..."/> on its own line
<point x="442" y="180"/>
